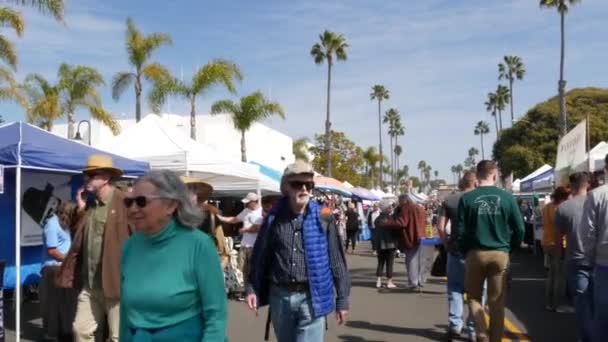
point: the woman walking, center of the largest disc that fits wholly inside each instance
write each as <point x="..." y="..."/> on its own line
<point x="352" y="226"/>
<point x="172" y="286"/>
<point x="386" y="243"/>
<point x="57" y="305"/>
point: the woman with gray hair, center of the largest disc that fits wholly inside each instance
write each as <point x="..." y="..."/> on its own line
<point x="172" y="285"/>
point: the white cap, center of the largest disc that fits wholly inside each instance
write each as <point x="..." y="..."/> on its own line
<point x="251" y="197"/>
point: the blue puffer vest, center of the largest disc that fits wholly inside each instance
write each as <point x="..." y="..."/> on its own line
<point x="320" y="279"/>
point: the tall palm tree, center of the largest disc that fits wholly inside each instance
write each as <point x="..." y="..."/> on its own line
<point x="562" y="8"/>
<point x="216" y="72"/>
<point x="454" y="170"/>
<point x="390" y="117"/>
<point x="398" y="150"/>
<point x="380" y="93"/>
<point x="79" y="85"/>
<point x="398" y="131"/>
<point x="427" y="174"/>
<point x="76" y="89"/>
<point x="331" y="45"/>
<point x="502" y="100"/>
<point x="459" y="169"/>
<point x="139" y="49"/>
<point x="513" y="68"/>
<point x="492" y="108"/>
<point x="250" y="109"/>
<point x="300" y="149"/>
<point x="482" y="128"/>
<point x="13" y="19"/>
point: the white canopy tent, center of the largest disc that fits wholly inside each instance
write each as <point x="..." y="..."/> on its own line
<point x="165" y="147"/>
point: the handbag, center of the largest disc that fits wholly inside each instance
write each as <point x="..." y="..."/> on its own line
<point x="439" y="268"/>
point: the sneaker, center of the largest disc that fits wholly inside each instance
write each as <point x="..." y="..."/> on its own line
<point x="391" y="285"/>
<point x="375" y="253"/>
<point x="379" y="283"/>
<point x="451" y="335"/>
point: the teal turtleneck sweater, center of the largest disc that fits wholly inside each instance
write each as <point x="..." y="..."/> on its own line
<point x="172" y="287"/>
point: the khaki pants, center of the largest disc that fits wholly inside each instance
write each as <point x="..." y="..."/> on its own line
<point x="490" y="266"/>
<point x="244" y="260"/>
<point x="91" y="313"/>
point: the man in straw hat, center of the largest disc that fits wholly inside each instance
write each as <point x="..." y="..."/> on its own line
<point x="93" y="262"/>
<point x="298" y="260"/>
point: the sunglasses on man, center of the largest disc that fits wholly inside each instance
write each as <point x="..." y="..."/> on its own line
<point x="140" y="201"/>
<point x="297" y="185"/>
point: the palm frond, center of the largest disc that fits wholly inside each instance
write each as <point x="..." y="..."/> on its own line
<point x="40" y="81"/>
<point x="105" y="118"/>
<point x="159" y="93"/>
<point x="224" y="106"/>
<point x="13" y="19"/>
<point x="120" y="82"/>
<point x="156" y="72"/>
<point x="216" y="72"/>
<point x="7" y="52"/>
<point x="317" y="53"/>
<point x="54" y="8"/>
<point x="154" y="41"/>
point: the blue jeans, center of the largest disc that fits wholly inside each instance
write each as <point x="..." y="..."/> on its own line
<point x="455" y="273"/>
<point x="600" y="303"/>
<point x="291" y="315"/>
<point x="581" y="285"/>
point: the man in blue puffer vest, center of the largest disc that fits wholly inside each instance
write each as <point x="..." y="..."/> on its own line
<point x="298" y="259"/>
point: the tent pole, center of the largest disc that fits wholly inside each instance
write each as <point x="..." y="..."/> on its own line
<point x="18" y="255"/>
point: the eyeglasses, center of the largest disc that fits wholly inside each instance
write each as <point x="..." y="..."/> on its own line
<point x="140" y="201"/>
<point x="297" y="185"/>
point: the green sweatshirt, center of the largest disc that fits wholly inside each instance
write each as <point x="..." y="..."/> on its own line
<point x="172" y="285"/>
<point x="488" y="219"/>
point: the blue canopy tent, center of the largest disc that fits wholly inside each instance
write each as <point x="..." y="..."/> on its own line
<point x="539" y="180"/>
<point x="26" y="147"/>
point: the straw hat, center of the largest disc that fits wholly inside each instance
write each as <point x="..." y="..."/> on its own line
<point x="101" y="163"/>
<point x="201" y="189"/>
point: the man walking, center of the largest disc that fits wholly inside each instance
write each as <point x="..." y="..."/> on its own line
<point x="578" y="270"/>
<point x="594" y="232"/>
<point x="93" y="262"/>
<point x="410" y="219"/>
<point x="489" y="224"/>
<point x="298" y="260"/>
<point x="251" y="217"/>
<point x="448" y="213"/>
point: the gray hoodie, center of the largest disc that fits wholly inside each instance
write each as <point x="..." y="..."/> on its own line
<point x="594" y="227"/>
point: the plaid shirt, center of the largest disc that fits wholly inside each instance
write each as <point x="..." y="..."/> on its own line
<point x="289" y="264"/>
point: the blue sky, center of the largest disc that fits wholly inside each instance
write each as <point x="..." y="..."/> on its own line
<point x="437" y="57"/>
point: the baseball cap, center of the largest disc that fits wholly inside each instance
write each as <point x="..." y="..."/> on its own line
<point x="297" y="168"/>
<point x="251" y="197"/>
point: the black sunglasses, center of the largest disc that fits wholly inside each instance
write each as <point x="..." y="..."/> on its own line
<point x="297" y="185"/>
<point x="140" y="201"/>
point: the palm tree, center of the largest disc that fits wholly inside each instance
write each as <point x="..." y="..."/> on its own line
<point x="216" y="72"/>
<point x="75" y="89"/>
<point x="379" y="93"/>
<point x="427" y="174"/>
<point x="300" y="149"/>
<point x="330" y="44"/>
<point x="371" y="158"/>
<point x="492" y="109"/>
<point x="459" y="170"/>
<point x="436" y="174"/>
<point x="14" y="20"/>
<point x="397" y="151"/>
<point x="390" y="117"/>
<point x="78" y="85"/>
<point x="398" y="131"/>
<point x="251" y="109"/>
<point x="502" y="99"/>
<point x="454" y="170"/>
<point x="421" y="167"/>
<point x="512" y="69"/>
<point x="139" y="49"/>
<point x="482" y="128"/>
<point x="10" y="90"/>
<point x="562" y="8"/>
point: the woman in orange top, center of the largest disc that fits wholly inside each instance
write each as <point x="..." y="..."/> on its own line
<point x="554" y="287"/>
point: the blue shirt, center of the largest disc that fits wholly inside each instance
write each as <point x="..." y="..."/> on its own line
<point x="55" y="236"/>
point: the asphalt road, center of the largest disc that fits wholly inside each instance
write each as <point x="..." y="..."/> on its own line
<point x="398" y="315"/>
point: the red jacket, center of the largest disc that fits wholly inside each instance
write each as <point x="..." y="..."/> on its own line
<point x="410" y="218"/>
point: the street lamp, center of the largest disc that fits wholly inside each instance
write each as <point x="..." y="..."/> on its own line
<point x="78" y="136"/>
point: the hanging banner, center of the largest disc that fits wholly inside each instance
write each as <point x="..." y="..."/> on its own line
<point x="571" y="150"/>
<point x="41" y="194"/>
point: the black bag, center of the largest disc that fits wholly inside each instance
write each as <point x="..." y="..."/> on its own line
<point x="439" y="268"/>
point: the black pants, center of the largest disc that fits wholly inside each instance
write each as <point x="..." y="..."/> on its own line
<point x="385" y="256"/>
<point x="373" y="239"/>
<point x="351" y="236"/>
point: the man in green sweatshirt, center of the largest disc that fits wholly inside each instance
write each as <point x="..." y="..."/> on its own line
<point x="489" y="224"/>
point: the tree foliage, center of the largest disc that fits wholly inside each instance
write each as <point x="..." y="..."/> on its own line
<point x="347" y="161"/>
<point x="533" y="140"/>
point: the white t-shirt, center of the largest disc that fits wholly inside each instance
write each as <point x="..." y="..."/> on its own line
<point x="249" y="218"/>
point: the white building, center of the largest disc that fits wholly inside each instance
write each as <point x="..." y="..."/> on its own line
<point x="264" y="144"/>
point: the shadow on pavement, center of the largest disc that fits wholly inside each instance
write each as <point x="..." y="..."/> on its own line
<point x="351" y="338"/>
<point x="426" y="333"/>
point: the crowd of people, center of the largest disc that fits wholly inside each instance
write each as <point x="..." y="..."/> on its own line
<point x="151" y="262"/>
